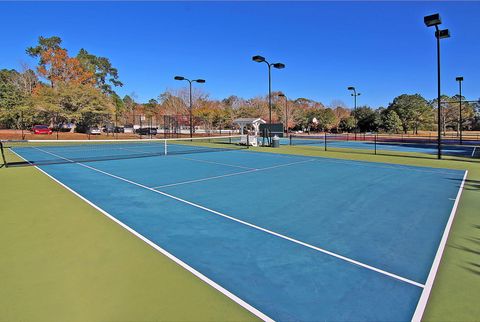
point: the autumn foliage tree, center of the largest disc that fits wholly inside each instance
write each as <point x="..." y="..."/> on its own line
<point x="72" y="95"/>
<point x="59" y="68"/>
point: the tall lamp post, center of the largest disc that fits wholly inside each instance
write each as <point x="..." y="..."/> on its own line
<point x="434" y="20"/>
<point x="460" y="121"/>
<point x="190" y="81"/>
<point x="354" y="94"/>
<point x="286" y="112"/>
<point x="260" y="59"/>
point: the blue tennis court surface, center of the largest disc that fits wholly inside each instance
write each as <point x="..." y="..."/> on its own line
<point x="297" y="238"/>
<point x="426" y="148"/>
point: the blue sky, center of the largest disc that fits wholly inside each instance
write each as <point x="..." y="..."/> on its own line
<point x="382" y="48"/>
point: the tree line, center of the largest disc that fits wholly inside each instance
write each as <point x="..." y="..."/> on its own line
<point x="80" y="91"/>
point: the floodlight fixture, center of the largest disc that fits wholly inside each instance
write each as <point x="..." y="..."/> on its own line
<point x="442" y="34"/>
<point x="258" y="59"/>
<point x="432" y="20"/>
<point x="200" y="81"/>
<point x="279" y="65"/>
<point x="179" y="78"/>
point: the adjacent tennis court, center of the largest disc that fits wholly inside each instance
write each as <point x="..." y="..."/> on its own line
<point x="370" y="143"/>
<point x="287" y="237"/>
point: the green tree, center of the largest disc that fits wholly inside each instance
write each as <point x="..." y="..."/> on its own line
<point x="78" y="104"/>
<point x="44" y="44"/>
<point x="119" y="107"/>
<point x="15" y="104"/>
<point x="150" y="109"/>
<point x="347" y="124"/>
<point x="326" y="119"/>
<point x="390" y="121"/>
<point x="414" y="112"/>
<point x="106" y="75"/>
<point x="367" y="119"/>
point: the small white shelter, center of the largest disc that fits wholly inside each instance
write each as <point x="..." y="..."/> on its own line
<point x="249" y="130"/>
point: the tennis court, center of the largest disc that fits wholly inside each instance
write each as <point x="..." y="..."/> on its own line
<point x="287" y="237"/>
<point x="370" y="143"/>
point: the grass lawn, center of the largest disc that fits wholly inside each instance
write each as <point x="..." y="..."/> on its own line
<point x="63" y="260"/>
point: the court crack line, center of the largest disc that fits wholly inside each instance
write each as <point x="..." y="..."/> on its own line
<point x="296" y="241"/>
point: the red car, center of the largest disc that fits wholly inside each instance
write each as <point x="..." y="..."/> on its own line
<point x="41" y="129"/>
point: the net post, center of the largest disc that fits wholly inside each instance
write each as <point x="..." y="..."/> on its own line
<point x="325" y="140"/>
<point x="248" y="141"/>
<point x="165" y="146"/>
<point x="290" y="139"/>
<point x="375" y="140"/>
<point x="3" y="155"/>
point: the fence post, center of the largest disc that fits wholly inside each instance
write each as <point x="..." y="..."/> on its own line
<point x="375" y="140"/>
<point x="3" y="155"/>
<point x="325" y="141"/>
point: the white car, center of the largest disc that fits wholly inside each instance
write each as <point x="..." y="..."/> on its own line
<point x="94" y="131"/>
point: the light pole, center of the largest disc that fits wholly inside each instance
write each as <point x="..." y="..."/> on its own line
<point x="190" y="81"/>
<point x="460" y="121"/>
<point x="286" y="112"/>
<point x="434" y="20"/>
<point x="354" y="94"/>
<point x="260" y="59"/>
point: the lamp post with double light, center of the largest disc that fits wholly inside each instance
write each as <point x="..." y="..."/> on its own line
<point x="354" y="94"/>
<point x="260" y="59"/>
<point x="434" y="21"/>
<point x="190" y="81"/>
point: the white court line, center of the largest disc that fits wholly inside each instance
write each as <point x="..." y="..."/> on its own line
<point x="473" y="152"/>
<point x="205" y="179"/>
<point x="422" y="302"/>
<point x="231" y="174"/>
<point x="214" y="162"/>
<point x="296" y="241"/>
<point x="175" y="259"/>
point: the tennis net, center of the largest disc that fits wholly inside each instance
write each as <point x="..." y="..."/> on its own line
<point x="44" y="152"/>
<point x="318" y="139"/>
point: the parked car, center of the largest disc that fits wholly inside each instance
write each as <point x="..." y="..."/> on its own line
<point x="41" y="129"/>
<point x="147" y="131"/>
<point x="113" y="129"/>
<point x="108" y="129"/>
<point x="94" y="130"/>
<point x="128" y="128"/>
